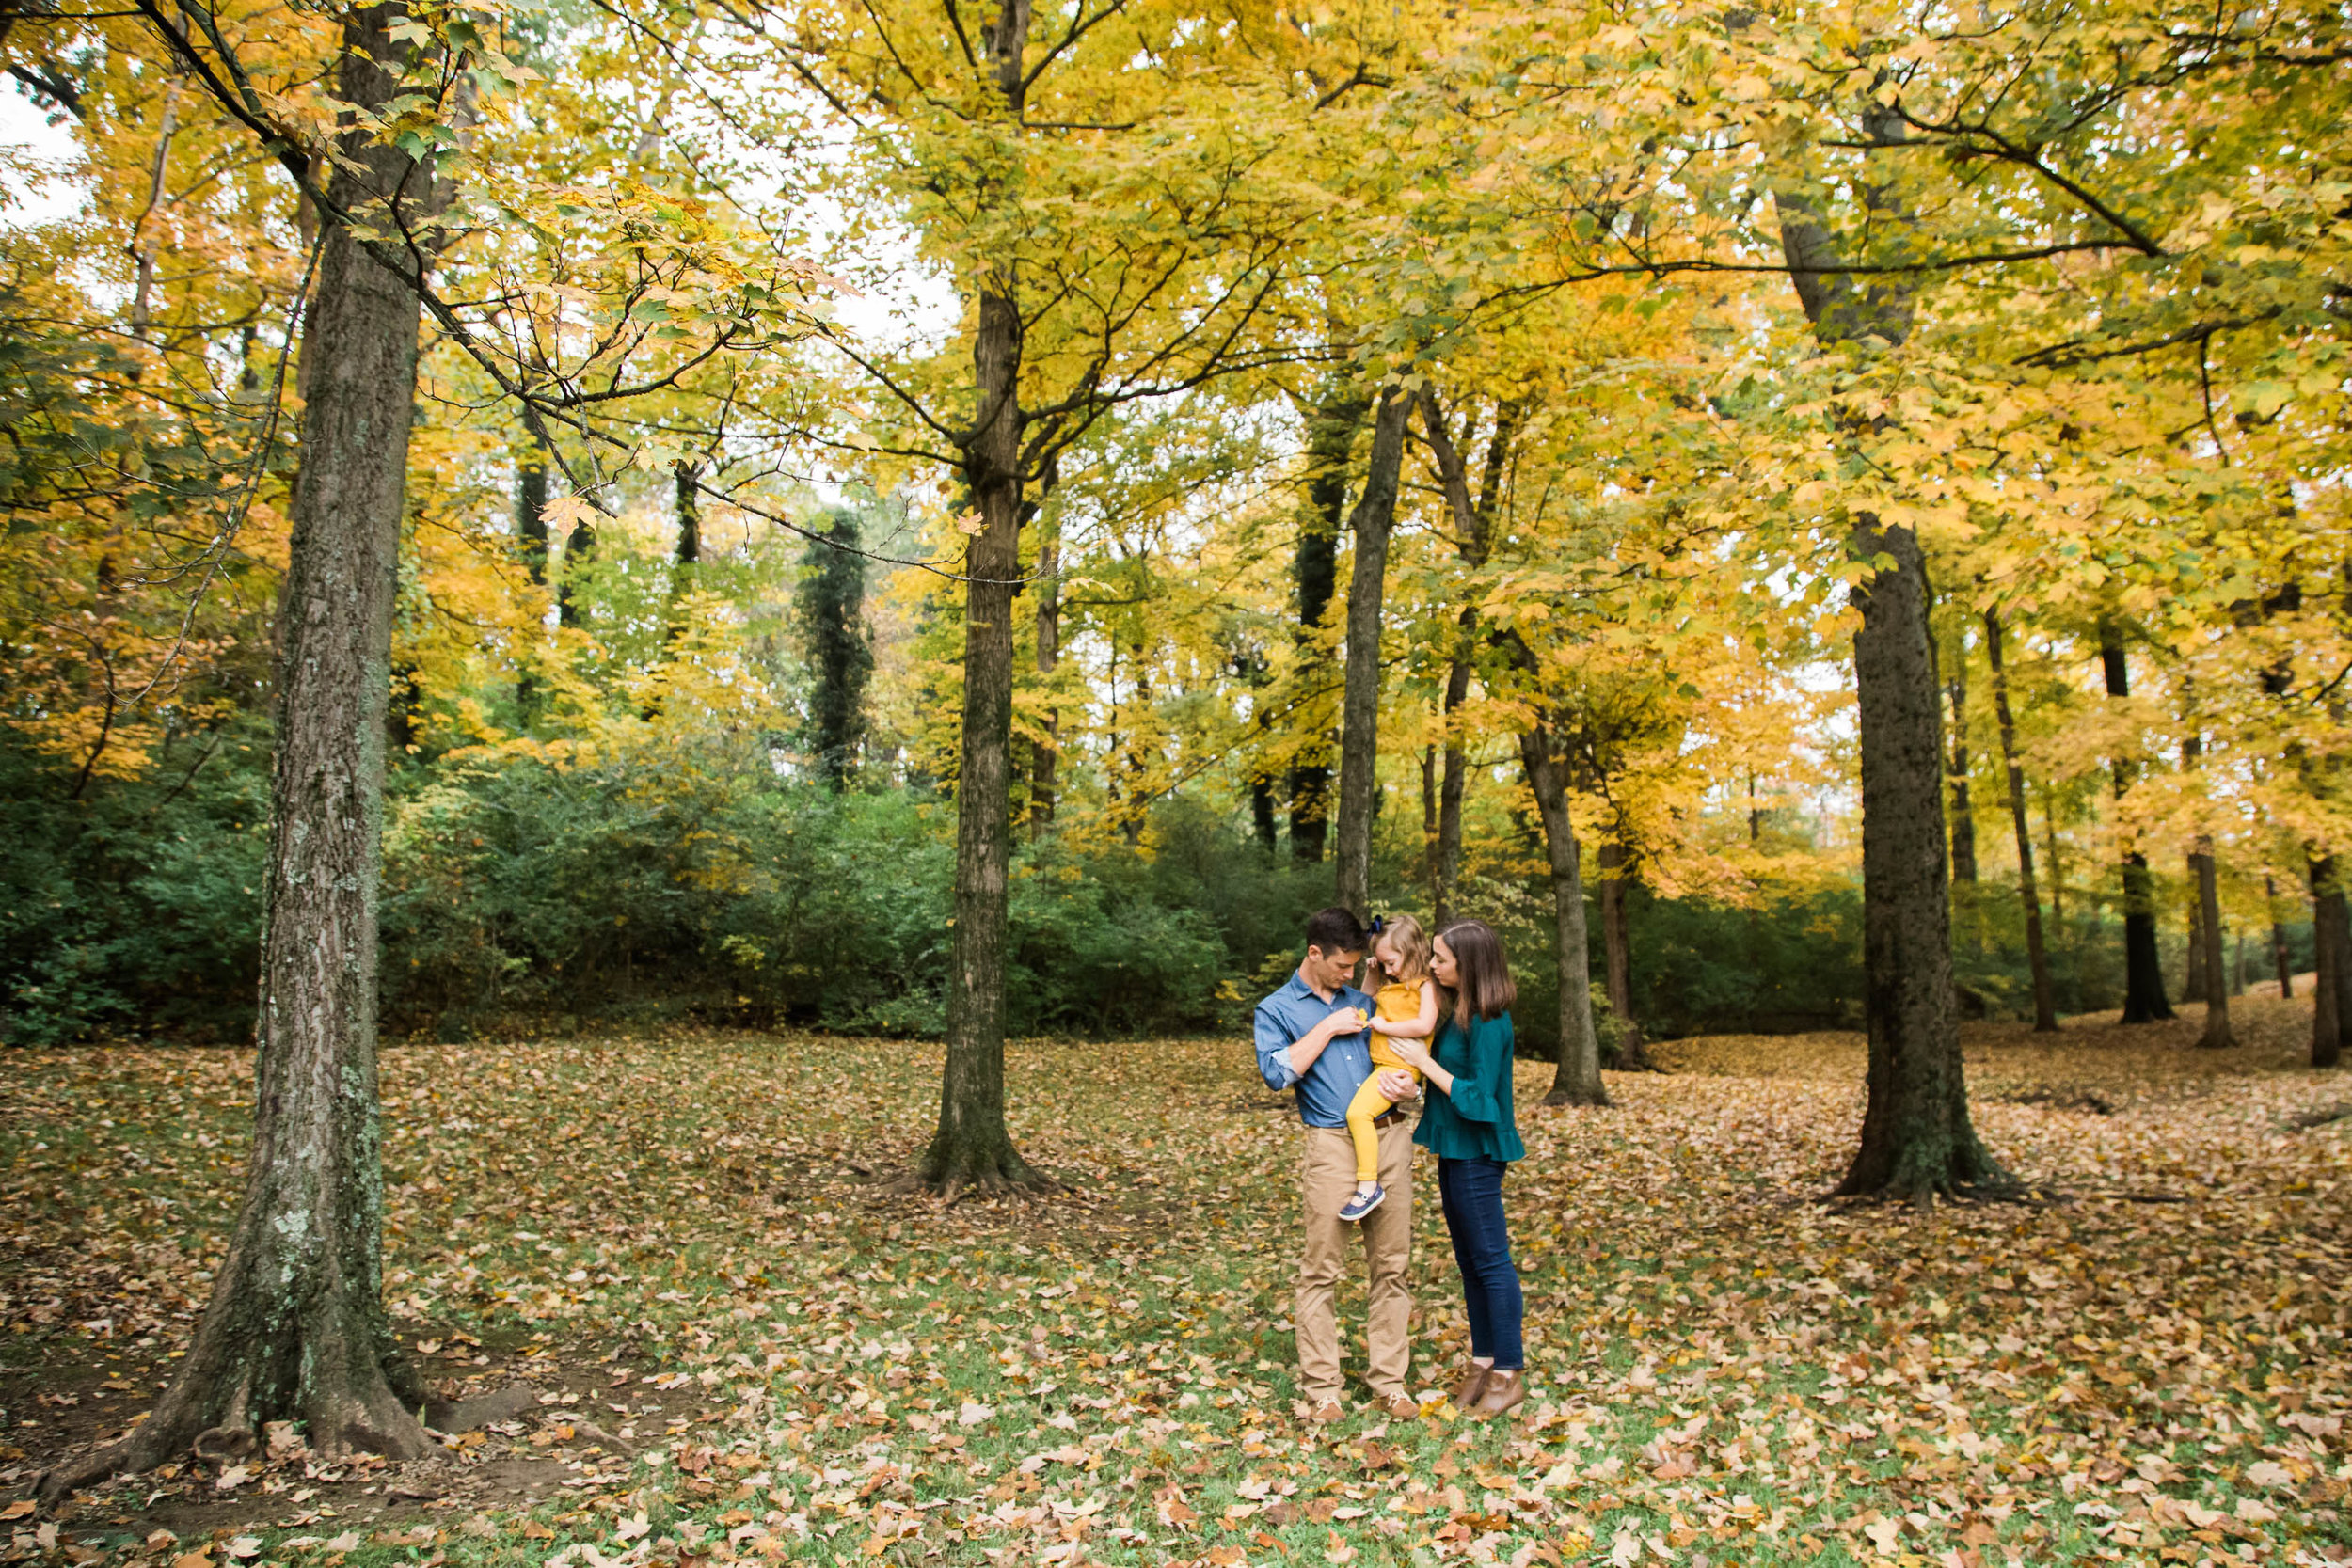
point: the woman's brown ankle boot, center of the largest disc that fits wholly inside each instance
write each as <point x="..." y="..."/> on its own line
<point x="1474" y="1384"/>
<point x="1503" y="1390"/>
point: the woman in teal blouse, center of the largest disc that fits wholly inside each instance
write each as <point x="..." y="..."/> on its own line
<point x="1468" y="1127"/>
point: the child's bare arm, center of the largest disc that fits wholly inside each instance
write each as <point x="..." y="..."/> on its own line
<point x="1420" y="1025"/>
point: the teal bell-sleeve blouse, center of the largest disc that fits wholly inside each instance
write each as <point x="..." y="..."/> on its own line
<point x="1475" y="1122"/>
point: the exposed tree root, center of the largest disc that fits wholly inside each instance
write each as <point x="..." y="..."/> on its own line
<point x="994" y="1170"/>
<point x="219" y="1421"/>
<point x="1563" y="1095"/>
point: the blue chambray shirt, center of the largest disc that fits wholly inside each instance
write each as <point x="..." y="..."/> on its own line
<point x="1325" y="1088"/>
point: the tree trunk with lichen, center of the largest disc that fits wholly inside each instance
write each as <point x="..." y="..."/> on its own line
<point x="295" y="1329"/>
<point x="972" y="1149"/>
<point x="1917" y="1140"/>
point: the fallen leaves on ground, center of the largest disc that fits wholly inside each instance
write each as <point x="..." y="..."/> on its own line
<point x="2146" y="1363"/>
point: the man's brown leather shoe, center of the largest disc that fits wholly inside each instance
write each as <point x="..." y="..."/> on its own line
<point x="1326" y="1412"/>
<point x="1504" y="1391"/>
<point x="1398" y="1407"/>
<point x="1473" y="1382"/>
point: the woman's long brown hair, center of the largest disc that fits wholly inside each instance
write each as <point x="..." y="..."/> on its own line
<point x="1482" y="985"/>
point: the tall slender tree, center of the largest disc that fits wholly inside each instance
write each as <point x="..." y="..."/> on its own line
<point x="1331" y="427"/>
<point x="1963" y="813"/>
<point x="1370" y="524"/>
<point x="1045" y="764"/>
<point x="2037" y="949"/>
<point x="2143" y="972"/>
<point x="1474" y="525"/>
<point x="1576" y="1079"/>
<point x="832" y="605"/>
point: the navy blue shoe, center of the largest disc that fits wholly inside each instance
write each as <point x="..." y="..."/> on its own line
<point x="1362" y="1203"/>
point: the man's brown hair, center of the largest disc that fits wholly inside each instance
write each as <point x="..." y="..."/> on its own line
<point x="1335" y="930"/>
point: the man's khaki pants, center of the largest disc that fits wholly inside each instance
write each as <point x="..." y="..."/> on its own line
<point x="1326" y="1175"/>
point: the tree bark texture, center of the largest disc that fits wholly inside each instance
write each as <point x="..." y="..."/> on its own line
<point x="2217" y="1035"/>
<point x="1046" y="760"/>
<point x="2278" y="938"/>
<point x="688" y="552"/>
<point x="530" y="538"/>
<point x="531" y="513"/>
<point x="2332" y="988"/>
<point x="1964" y="815"/>
<point x="1330" y="443"/>
<point x="1577" y="1080"/>
<point x="1372" y="523"/>
<point x="2037" y="950"/>
<point x="829" y="606"/>
<point x="2193" y="950"/>
<point x="2143" y="965"/>
<point x="1917" y="1140"/>
<point x="972" y="1148"/>
<point x="295" y="1328"/>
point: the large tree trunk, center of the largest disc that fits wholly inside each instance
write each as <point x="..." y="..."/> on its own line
<point x="2037" y="951"/>
<point x="1046" y="760"/>
<point x="1577" y="1081"/>
<point x="2143" y="967"/>
<point x="295" y="1329"/>
<point x="972" y="1149"/>
<point x="1330" y="441"/>
<point x="1916" y="1137"/>
<point x="1964" y="815"/>
<point x="2332" y="990"/>
<point x="2217" y="1033"/>
<point x="1917" y="1140"/>
<point x="1360" y="735"/>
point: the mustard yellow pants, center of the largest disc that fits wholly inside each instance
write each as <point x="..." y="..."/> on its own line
<point x="1369" y="1102"/>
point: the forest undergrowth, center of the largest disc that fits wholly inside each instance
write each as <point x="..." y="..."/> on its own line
<point x="742" y="1341"/>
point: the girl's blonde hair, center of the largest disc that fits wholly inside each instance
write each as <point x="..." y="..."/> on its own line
<point x="1412" y="945"/>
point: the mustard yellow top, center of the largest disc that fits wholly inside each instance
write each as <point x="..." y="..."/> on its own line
<point x="1398" y="1002"/>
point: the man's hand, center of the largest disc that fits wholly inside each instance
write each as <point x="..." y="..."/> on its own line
<point x="1399" y="1088"/>
<point x="1346" y="1021"/>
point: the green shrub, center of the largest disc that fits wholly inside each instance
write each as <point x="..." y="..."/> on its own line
<point x="138" y="905"/>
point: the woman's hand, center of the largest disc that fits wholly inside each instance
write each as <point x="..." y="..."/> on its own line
<point x="1410" y="1052"/>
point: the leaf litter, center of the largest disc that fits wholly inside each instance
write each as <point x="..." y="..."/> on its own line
<point x="740" y="1341"/>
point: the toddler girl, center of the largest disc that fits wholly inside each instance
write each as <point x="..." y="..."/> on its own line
<point x="1407" y="1009"/>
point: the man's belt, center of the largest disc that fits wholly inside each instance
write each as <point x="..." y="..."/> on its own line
<point x="1387" y="1119"/>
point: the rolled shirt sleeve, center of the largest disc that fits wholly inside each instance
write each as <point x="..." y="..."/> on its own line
<point x="1274" y="1049"/>
<point x="1477" y="1092"/>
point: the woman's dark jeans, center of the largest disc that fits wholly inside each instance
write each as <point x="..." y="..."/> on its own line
<point x="1470" y="1192"/>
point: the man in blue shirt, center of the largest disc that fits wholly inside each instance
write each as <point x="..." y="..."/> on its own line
<point x="1311" y="1036"/>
